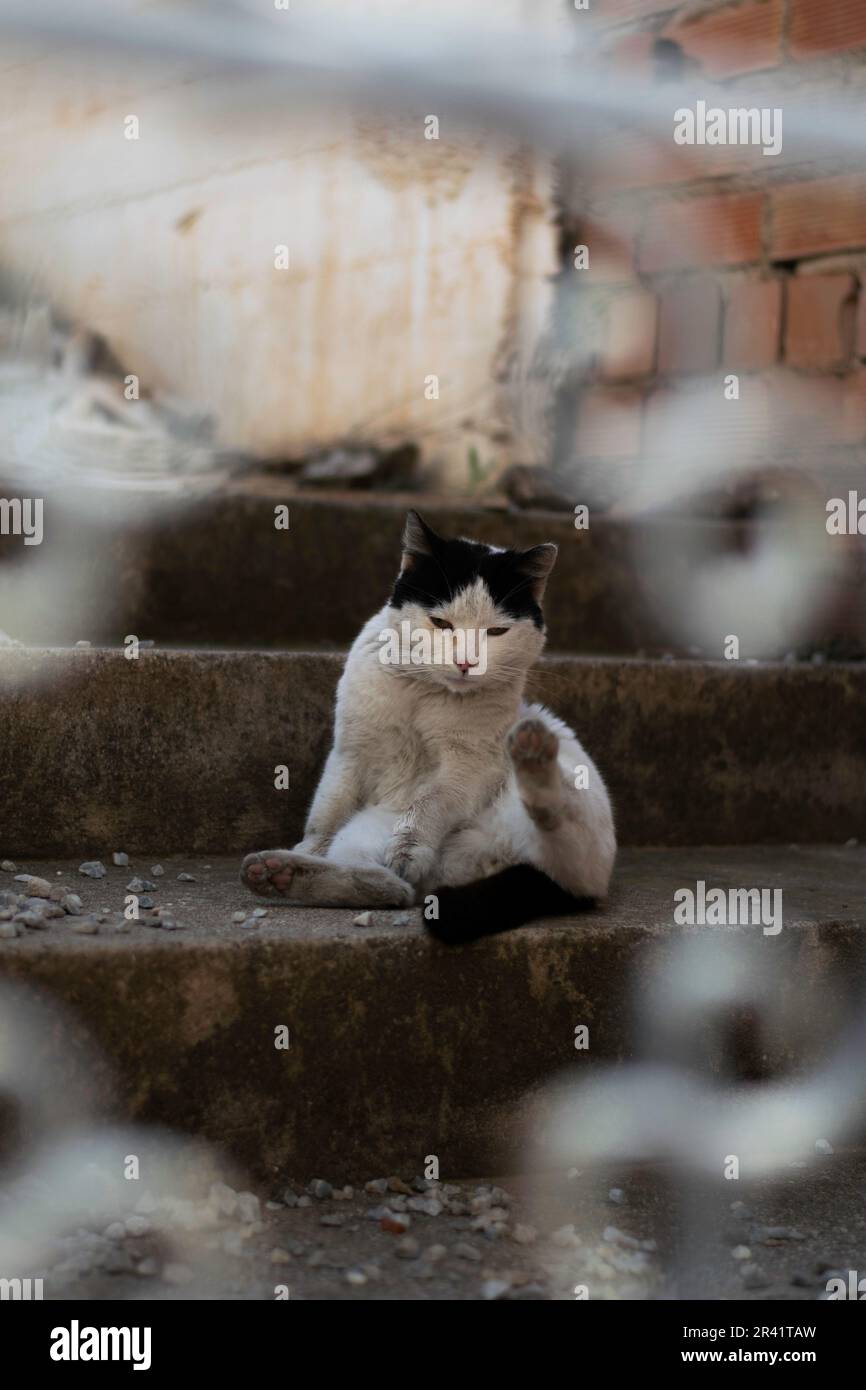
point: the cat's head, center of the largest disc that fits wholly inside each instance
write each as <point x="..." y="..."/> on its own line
<point x="472" y="611"/>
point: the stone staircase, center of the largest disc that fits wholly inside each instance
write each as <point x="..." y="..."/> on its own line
<point x="740" y="775"/>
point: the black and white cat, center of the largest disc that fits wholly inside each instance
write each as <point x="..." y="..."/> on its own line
<point x="441" y="779"/>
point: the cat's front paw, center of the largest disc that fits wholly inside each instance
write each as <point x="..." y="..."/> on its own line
<point x="408" y="859"/>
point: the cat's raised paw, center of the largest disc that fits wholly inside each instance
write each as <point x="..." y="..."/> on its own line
<point x="532" y="746"/>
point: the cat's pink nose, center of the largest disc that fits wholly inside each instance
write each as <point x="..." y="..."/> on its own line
<point x="463" y="666"/>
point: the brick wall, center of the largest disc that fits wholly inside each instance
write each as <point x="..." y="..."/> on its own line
<point x="713" y="261"/>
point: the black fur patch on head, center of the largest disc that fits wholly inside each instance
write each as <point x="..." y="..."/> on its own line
<point x="435" y="570"/>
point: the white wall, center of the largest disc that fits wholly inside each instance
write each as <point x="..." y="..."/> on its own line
<point x="408" y="257"/>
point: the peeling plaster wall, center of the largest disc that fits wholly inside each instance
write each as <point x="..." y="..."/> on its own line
<point x="407" y="257"/>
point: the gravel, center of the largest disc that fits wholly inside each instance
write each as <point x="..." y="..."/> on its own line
<point x="86" y="926"/>
<point x="34" y="887"/>
<point x="407" y="1248"/>
<point x="92" y="868"/>
<point x="464" y="1251"/>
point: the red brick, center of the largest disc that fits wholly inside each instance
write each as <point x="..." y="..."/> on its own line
<point x="629" y="335"/>
<point x="825" y="26"/>
<point x="803" y="412"/>
<point x="635" y="52"/>
<point x="637" y="159"/>
<point x="609" y="423"/>
<point x="817" y="411"/>
<point x="753" y="315"/>
<point x="739" y="38"/>
<point x="820" y="215"/>
<point x="689" y="317"/>
<point x="619" y="11"/>
<point x="724" y="230"/>
<point x="820" y="324"/>
<point x="609" y="233"/>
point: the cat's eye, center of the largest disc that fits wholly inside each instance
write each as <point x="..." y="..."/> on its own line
<point x="441" y="622"/>
<point x="496" y="631"/>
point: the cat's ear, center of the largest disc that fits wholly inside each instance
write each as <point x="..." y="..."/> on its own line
<point x="536" y="564"/>
<point x="418" y="539"/>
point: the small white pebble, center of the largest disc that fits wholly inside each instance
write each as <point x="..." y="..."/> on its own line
<point x="566" y="1237"/>
<point x="363" y="919"/>
<point x="525" y="1235"/>
<point x="823" y="1146"/>
<point x="741" y="1252"/>
<point x="494" y="1288"/>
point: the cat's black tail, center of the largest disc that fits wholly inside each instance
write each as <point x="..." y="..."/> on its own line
<point x="500" y="903"/>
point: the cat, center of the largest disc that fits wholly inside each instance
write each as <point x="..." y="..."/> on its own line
<point x="441" y="779"/>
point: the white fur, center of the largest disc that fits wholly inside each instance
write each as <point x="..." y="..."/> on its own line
<point x="420" y="789"/>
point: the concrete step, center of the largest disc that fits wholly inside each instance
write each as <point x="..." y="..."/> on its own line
<point x="179" y="748"/>
<point x="219" y="573"/>
<point x="399" y="1047"/>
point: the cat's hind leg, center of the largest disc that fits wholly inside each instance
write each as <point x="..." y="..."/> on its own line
<point x="349" y="875"/>
<point x="304" y="879"/>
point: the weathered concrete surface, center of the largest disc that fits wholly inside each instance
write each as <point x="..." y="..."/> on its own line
<point x="400" y="1047"/>
<point x="179" y="748"/>
<point x="219" y="573"/>
<point x="822" y="1201"/>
